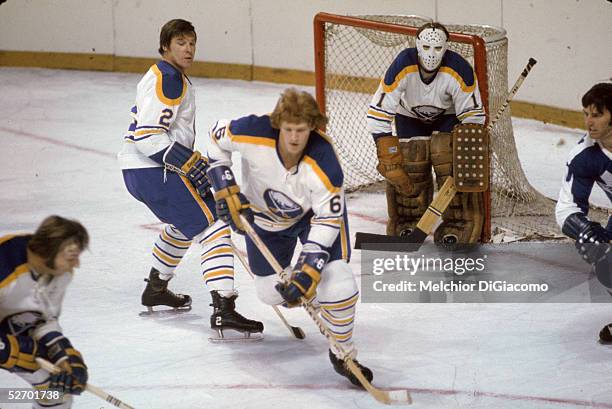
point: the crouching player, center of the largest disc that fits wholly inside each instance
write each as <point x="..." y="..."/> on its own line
<point x="34" y="273"/>
<point x="590" y="162"/>
<point x="292" y="189"/>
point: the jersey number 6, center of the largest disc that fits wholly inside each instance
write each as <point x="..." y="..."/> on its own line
<point x="334" y="204"/>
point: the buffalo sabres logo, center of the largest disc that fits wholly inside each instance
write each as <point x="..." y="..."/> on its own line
<point x="281" y="205"/>
<point x="427" y="113"/>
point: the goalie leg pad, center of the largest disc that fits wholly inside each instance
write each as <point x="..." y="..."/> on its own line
<point x="463" y="219"/>
<point x="405" y="210"/>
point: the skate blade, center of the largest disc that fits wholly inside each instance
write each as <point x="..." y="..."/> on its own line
<point x="240" y="337"/>
<point x="166" y="311"/>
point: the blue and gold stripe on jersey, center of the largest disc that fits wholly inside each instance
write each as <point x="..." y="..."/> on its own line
<point x="319" y="153"/>
<point x="321" y="156"/>
<point x="379" y="114"/>
<point x="253" y="130"/>
<point x="407" y="62"/>
<point x="13" y="258"/>
<point x="171" y="84"/>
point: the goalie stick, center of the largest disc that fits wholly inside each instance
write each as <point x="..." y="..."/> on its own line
<point x="397" y="397"/>
<point x="49" y="367"/>
<point x="295" y="331"/>
<point x="432" y="217"/>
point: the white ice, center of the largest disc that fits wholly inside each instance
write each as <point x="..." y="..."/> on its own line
<point x="58" y="141"/>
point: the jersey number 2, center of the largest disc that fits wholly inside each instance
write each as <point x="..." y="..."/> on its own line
<point x="164" y="118"/>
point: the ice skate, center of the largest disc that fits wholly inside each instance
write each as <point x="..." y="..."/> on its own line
<point x="341" y="369"/>
<point x="605" y="335"/>
<point x="225" y="317"/>
<point x="156" y="293"/>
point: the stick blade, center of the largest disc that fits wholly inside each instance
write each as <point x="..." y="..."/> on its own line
<point x="393" y="397"/>
<point x="379" y="241"/>
<point x="399" y="397"/>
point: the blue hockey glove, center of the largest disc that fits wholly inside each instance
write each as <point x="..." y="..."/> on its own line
<point x="190" y="164"/>
<point x="18" y="352"/>
<point x="58" y="350"/>
<point x="230" y="203"/>
<point x="306" y="275"/>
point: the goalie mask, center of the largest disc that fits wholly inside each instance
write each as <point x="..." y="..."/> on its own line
<point x="431" y="45"/>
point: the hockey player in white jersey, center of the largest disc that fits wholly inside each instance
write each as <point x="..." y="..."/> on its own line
<point x="35" y="270"/>
<point x="162" y="170"/>
<point x="426" y="91"/>
<point x="590" y="163"/>
<point x="292" y="189"/>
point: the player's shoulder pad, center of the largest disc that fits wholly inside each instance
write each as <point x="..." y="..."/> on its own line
<point x="170" y="83"/>
<point x="406" y="58"/>
<point x="454" y="62"/>
<point x="254" y="125"/>
<point x="13" y="253"/>
<point x="587" y="158"/>
<point x="320" y="154"/>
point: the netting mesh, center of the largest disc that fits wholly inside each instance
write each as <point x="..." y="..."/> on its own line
<point x="355" y="60"/>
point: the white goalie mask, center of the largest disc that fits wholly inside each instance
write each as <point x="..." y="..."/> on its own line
<point x="431" y="46"/>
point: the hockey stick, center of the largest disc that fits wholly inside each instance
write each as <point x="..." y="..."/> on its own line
<point x="296" y="331"/>
<point x="399" y="396"/>
<point x="49" y="367"/>
<point x="432" y="217"/>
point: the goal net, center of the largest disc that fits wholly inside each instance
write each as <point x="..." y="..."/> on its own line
<point x="352" y="55"/>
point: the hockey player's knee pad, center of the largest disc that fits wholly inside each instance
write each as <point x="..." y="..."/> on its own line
<point x="266" y="291"/>
<point x="337" y="282"/>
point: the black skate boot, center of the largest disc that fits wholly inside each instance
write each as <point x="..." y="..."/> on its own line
<point x="605" y="335"/>
<point x="156" y="293"/>
<point x="344" y="371"/>
<point x="225" y="317"/>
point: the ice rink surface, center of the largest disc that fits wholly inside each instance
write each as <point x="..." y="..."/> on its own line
<point x="59" y="138"/>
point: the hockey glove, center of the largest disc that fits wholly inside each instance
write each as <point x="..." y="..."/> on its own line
<point x="591" y="238"/>
<point x="18" y="352"/>
<point x="306" y="275"/>
<point x="58" y="350"/>
<point x="190" y="164"/>
<point x="230" y="203"/>
<point x="390" y="163"/>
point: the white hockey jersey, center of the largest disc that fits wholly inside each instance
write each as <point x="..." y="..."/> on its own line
<point x="588" y="163"/>
<point x="30" y="303"/>
<point x="164" y="113"/>
<point x="452" y="91"/>
<point x="281" y="197"/>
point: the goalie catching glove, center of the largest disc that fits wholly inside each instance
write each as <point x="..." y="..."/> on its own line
<point x="390" y="163"/>
<point x="18" y="352"/>
<point x="58" y="350"/>
<point x="306" y="275"/>
<point x="230" y="202"/>
<point x="191" y="164"/>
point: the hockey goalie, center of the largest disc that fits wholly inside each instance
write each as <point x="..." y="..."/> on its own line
<point x="427" y="92"/>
